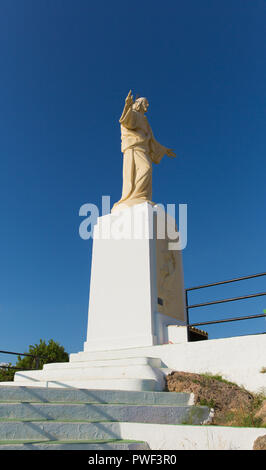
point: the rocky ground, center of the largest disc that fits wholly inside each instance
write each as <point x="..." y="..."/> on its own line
<point x="233" y="405"/>
<point x="260" y="443"/>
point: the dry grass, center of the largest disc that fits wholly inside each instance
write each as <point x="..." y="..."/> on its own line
<point x="233" y="405"/>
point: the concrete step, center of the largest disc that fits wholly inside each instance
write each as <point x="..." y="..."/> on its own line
<point x="90" y="372"/>
<point x="137" y="374"/>
<point x="16" y="393"/>
<point x="96" y="384"/>
<point x="85" y="356"/>
<point x="83" y="430"/>
<point x="113" y="362"/>
<point x="58" y="430"/>
<point x="159" y="414"/>
<point x="74" y="445"/>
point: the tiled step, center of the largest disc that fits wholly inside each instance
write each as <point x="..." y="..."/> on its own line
<point x="159" y="414"/>
<point x="82" y="430"/>
<point x="74" y="445"/>
<point x="58" y="430"/>
<point x="16" y="393"/>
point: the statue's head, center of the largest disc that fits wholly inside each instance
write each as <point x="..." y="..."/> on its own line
<point x="141" y="105"/>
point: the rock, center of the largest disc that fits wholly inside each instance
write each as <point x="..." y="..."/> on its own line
<point x="261" y="413"/>
<point x="228" y="400"/>
<point x="260" y="443"/>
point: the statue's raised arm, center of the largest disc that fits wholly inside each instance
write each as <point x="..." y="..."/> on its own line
<point x="140" y="150"/>
<point x="128" y="103"/>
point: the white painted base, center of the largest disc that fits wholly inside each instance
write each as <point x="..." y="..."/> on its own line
<point x="129" y="265"/>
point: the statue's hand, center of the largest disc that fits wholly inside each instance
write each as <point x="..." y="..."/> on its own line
<point x="170" y="153"/>
<point x="129" y="99"/>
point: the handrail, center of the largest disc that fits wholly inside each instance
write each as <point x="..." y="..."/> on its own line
<point x="226" y="282"/>
<point x="232" y="299"/>
<point x="13" y="367"/>
<point x="228" y="300"/>
<point x="247" y="317"/>
<point x="23" y="354"/>
<point x="36" y="357"/>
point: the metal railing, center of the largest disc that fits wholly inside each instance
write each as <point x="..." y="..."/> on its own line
<point x="214" y="302"/>
<point x="37" y="360"/>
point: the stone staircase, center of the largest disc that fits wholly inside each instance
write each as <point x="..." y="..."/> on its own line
<point x="68" y="418"/>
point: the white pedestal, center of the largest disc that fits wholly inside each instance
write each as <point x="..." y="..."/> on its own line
<point x="131" y="268"/>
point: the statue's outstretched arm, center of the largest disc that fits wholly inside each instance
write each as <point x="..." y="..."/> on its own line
<point x="158" y="150"/>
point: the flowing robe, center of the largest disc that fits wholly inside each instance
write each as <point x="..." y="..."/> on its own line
<point x="140" y="149"/>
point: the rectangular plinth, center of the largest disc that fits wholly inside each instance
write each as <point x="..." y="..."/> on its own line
<point x="129" y="266"/>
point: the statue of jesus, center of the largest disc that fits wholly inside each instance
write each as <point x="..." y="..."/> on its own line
<point x="140" y="149"/>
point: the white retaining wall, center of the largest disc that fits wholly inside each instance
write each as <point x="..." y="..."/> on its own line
<point x="169" y="437"/>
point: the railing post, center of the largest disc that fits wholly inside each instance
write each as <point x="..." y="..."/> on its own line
<point x="187" y="315"/>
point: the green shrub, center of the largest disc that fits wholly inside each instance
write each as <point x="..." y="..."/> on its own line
<point x="7" y="375"/>
<point x="51" y="352"/>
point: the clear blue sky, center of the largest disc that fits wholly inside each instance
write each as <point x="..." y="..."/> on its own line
<point x="66" y="67"/>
